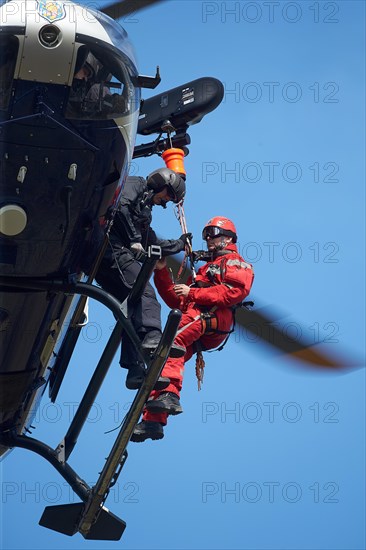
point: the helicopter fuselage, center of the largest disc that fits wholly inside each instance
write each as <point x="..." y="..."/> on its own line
<point x="68" y="118"/>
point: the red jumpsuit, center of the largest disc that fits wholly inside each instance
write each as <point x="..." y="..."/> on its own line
<point x="220" y="283"/>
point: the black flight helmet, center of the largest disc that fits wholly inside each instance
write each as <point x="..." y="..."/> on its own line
<point x="164" y="177"/>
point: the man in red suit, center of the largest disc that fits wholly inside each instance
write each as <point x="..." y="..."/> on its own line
<point x="207" y="305"/>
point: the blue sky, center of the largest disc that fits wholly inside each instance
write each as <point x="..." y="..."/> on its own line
<point x="268" y="455"/>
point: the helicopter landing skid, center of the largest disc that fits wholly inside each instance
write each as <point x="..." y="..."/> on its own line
<point x="90" y="517"/>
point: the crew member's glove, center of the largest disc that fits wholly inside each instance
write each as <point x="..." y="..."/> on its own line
<point x="138" y="251"/>
<point x="186" y="238"/>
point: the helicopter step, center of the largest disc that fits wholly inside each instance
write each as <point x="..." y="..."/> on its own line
<point x="64" y="519"/>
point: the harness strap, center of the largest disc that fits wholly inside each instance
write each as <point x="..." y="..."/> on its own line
<point x="209" y="324"/>
<point x="227" y="337"/>
<point x="224" y="342"/>
<point x="203" y="316"/>
<point x="182" y="329"/>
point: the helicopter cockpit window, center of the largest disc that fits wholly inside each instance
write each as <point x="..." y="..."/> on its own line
<point x="101" y="87"/>
<point x="8" y="57"/>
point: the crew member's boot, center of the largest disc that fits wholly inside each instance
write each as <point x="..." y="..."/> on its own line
<point x="136" y="375"/>
<point x="151" y="342"/>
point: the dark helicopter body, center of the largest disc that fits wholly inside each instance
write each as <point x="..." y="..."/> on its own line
<point x="64" y="158"/>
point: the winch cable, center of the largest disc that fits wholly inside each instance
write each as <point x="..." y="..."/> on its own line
<point x="174" y="160"/>
<point x="188" y="249"/>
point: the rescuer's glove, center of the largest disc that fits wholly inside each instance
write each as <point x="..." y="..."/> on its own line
<point x="138" y="251"/>
<point x="201" y="256"/>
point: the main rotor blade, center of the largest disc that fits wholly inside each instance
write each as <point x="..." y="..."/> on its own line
<point x="267" y="329"/>
<point x="126" y="7"/>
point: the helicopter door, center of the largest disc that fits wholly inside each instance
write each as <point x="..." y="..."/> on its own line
<point x="9" y="46"/>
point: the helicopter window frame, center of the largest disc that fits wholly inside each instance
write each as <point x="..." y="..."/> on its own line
<point x="121" y="76"/>
<point x="16" y="30"/>
<point x="8" y="66"/>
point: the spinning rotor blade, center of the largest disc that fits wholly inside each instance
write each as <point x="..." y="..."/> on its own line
<point x="268" y="329"/>
<point x="258" y="325"/>
<point x="126" y="7"/>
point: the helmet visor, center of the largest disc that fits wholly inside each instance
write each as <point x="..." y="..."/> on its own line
<point x="212" y="232"/>
<point x="175" y="195"/>
<point x="171" y="194"/>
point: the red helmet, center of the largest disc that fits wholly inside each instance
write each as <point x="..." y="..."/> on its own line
<point x="219" y="226"/>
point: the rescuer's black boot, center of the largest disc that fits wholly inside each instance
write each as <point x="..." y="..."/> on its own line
<point x="166" y="402"/>
<point x="147" y="430"/>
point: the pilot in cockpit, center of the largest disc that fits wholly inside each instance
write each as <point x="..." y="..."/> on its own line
<point x="90" y="94"/>
<point x="85" y="73"/>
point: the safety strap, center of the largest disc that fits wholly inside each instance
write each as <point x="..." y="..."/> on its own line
<point x="249" y="304"/>
<point x="226" y="339"/>
<point x="182" y="329"/>
<point x="209" y="325"/>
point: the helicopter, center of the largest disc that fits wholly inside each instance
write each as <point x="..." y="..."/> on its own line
<point x="70" y="109"/>
<point x="80" y="184"/>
